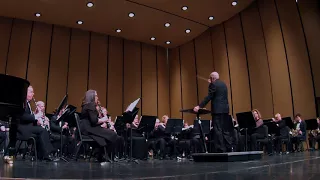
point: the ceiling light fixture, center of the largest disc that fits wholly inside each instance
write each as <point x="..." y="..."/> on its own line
<point x="234" y="3"/>
<point x="211" y="18"/>
<point x="153" y="38"/>
<point x="90" y="4"/>
<point x="167" y="24"/>
<point x="118" y="30"/>
<point x="79" y="22"/>
<point x="131" y="14"/>
<point x="188" y="31"/>
<point x="168" y="42"/>
<point x="37" y="14"/>
<point x="184" y="8"/>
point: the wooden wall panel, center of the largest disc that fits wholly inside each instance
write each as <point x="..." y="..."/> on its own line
<point x="310" y="15"/>
<point x="298" y="62"/>
<point x="163" y="82"/>
<point x="19" y="48"/>
<point x="204" y="61"/>
<point x="78" y="66"/>
<point x="175" y="83"/>
<point x="5" y="34"/>
<point x="58" y="72"/>
<point x="221" y="61"/>
<point x="132" y="73"/>
<point x="98" y="66"/>
<point x="279" y="75"/>
<point x="39" y="59"/>
<point x="260" y="82"/>
<point x="188" y="79"/>
<point x="241" y="97"/>
<point x="149" y="80"/>
<point x="115" y="76"/>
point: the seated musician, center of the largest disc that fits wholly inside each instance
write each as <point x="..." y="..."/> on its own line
<point x="3" y="135"/>
<point x="119" y="149"/>
<point x="283" y="132"/>
<point x="27" y="128"/>
<point x="91" y="125"/>
<point x="258" y="132"/>
<point x="298" y="133"/>
<point x="314" y="136"/>
<point x="152" y="139"/>
<point x="40" y="115"/>
<point x="185" y="138"/>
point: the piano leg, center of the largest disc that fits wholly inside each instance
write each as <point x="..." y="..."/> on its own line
<point x="11" y="148"/>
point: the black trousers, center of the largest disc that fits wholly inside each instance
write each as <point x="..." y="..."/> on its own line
<point x="313" y="140"/>
<point x="44" y="145"/>
<point x="222" y="132"/>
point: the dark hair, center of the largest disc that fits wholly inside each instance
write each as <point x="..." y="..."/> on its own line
<point x="297" y="115"/>
<point x="89" y="97"/>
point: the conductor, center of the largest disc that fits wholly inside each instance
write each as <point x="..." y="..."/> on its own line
<point x="218" y="95"/>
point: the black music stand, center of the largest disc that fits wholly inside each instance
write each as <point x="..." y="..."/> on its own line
<point x="200" y="112"/>
<point x="205" y="126"/>
<point x="63" y="102"/>
<point x="312" y="124"/>
<point x="69" y="118"/>
<point x="128" y="117"/>
<point x="289" y="122"/>
<point x="146" y="124"/>
<point x="174" y="126"/>
<point x="246" y="122"/>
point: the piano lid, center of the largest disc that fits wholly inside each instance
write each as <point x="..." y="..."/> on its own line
<point x="13" y="94"/>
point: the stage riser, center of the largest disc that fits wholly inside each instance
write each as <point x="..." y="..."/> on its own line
<point x="227" y="157"/>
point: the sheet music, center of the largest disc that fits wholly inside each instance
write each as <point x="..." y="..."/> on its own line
<point x="133" y="105"/>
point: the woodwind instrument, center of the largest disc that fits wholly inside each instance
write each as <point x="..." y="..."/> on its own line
<point x="102" y="115"/>
<point x="315" y="132"/>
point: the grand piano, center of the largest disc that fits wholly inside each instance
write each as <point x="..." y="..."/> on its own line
<point x="13" y="94"/>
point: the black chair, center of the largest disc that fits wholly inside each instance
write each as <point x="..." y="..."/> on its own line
<point x="266" y="140"/>
<point x="22" y="139"/>
<point x="83" y="139"/>
<point x="286" y="140"/>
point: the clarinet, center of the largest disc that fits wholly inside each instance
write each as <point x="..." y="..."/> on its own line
<point x="102" y="115"/>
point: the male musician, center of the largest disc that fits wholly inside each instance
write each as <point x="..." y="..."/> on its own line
<point x="218" y="95"/>
<point x="27" y="128"/>
<point x="283" y="132"/>
<point x="3" y="135"/>
<point x="314" y="136"/>
<point x="300" y="132"/>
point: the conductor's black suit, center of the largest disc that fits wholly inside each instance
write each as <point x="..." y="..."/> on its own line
<point x="218" y="95"/>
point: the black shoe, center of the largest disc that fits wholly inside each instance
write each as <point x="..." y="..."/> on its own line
<point x="48" y="159"/>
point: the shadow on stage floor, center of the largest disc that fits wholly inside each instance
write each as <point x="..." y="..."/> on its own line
<point x="294" y="166"/>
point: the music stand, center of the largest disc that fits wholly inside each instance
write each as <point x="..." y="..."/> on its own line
<point x="272" y="127"/>
<point x="246" y="121"/>
<point x="200" y="112"/>
<point x="62" y="104"/>
<point x="174" y="126"/>
<point x="312" y="124"/>
<point x="146" y="124"/>
<point x="205" y="126"/>
<point x="289" y="122"/>
<point x="128" y="117"/>
<point x="71" y="123"/>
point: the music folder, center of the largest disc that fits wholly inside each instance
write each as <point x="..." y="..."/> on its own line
<point x="289" y="122"/>
<point x="133" y="105"/>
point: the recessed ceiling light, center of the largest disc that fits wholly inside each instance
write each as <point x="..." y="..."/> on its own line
<point x="234" y="3"/>
<point x="168" y="42"/>
<point x="184" y="8"/>
<point x="37" y="14"/>
<point x="188" y="30"/>
<point x="153" y="38"/>
<point x="167" y="24"/>
<point x="90" y="4"/>
<point x="79" y="22"/>
<point x="211" y="18"/>
<point x="131" y="14"/>
<point x="118" y="30"/>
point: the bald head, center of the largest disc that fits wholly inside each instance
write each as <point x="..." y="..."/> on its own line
<point x="214" y="76"/>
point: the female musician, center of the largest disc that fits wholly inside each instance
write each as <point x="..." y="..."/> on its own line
<point x="258" y="131"/>
<point x="40" y="115"/>
<point x="91" y="123"/>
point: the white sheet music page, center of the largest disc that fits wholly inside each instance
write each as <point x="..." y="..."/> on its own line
<point x="133" y="105"/>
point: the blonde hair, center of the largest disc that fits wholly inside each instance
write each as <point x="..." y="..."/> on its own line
<point x="258" y="112"/>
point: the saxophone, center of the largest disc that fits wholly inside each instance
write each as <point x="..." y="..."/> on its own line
<point x="315" y="132"/>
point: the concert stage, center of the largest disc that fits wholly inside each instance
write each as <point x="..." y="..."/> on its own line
<point x="292" y="166"/>
<point x="227" y="157"/>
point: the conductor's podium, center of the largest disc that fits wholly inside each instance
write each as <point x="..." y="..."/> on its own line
<point x="227" y="157"/>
